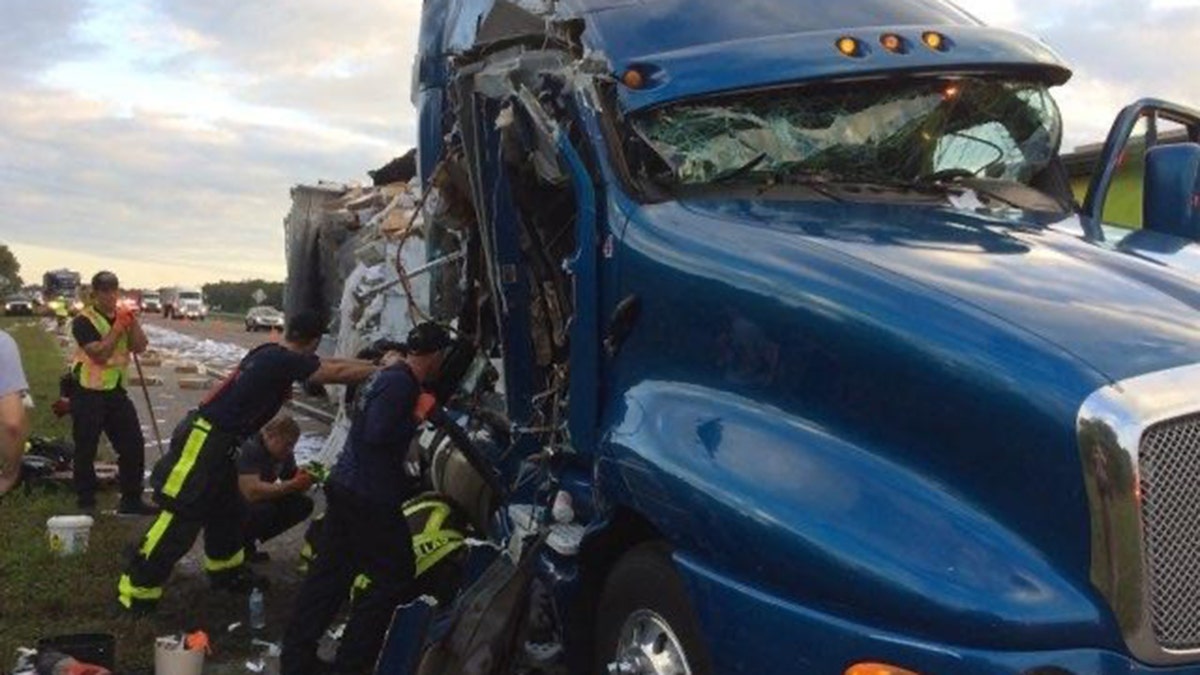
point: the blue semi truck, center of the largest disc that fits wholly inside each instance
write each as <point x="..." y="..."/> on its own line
<point x="792" y="303"/>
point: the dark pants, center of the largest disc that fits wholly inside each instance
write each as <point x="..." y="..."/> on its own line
<point x="112" y="413"/>
<point x="357" y="537"/>
<point x="213" y="504"/>
<point x="268" y="519"/>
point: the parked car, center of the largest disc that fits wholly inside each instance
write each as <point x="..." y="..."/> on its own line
<point x="264" y="318"/>
<point x="18" y="305"/>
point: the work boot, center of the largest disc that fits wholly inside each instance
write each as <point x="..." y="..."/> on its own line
<point x="136" y="507"/>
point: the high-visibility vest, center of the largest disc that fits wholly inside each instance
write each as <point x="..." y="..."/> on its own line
<point x="102" y="375"/>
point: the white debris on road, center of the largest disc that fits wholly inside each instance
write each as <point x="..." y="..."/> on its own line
<point x="310" y="449"/>
<point x="215" y="355"/>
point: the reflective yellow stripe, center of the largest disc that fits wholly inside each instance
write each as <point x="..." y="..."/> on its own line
<point x="433" y="544"/>
<point x="211" y="565"/>
<point x="127" y="592"/>
<point x="430" y="549"/>
<point x="157" y="530"/>
<point x="361" y="583"/>
<point x="191" y="450"/>
<point x="414" y="507"/>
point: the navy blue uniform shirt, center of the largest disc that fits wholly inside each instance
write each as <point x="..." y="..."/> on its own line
<point x="256" y="390"/>
<point x="381" y="430"/>
<point x="255" y="460"/>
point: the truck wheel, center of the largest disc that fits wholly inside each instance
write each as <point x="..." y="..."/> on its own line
<point x="645" y="624"/>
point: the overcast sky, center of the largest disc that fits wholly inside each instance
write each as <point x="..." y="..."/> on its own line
<point x="159" y="138"/>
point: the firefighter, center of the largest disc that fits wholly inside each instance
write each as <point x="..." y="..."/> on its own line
<point x="272" y="486"/>
<point x="196" y="483"/>
<point x="364" y="530"/>
<point x="106" y="336"/>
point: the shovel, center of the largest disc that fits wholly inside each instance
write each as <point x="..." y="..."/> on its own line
<point x="149" y="406"/>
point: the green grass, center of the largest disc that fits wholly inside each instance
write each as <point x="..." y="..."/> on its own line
<point x="43" y="596"/>
<point x="44" y="362"/>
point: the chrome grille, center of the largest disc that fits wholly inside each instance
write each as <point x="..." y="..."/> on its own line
<point x="1170" y="486"/>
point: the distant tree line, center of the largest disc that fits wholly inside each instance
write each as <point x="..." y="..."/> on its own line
<point x="238" y="296"/>
<point x="10" y="271"/>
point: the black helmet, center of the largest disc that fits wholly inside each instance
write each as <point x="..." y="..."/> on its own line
<point x="427" y="338"/>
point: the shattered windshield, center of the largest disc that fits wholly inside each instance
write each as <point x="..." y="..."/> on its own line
<point x="876" y="132"/>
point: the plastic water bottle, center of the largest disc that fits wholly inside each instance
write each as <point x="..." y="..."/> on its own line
<point x="258" y="610"/>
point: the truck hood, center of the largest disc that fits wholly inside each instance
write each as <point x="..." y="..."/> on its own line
<point x="1121" y="313"/>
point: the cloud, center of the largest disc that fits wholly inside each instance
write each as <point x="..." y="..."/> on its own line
<point x="1120" y="50"/>
<point x="347" y="64"/>
<point x="156" y="187"/>
<point x="35" y="34"/>
<point x="164" y="137"/>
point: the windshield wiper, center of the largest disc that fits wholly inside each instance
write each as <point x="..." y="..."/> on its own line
<point x="956" y="182"/>
<point x="734" y="174"/>
<point x="815" y="182"/>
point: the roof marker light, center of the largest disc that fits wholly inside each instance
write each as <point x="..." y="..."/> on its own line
<point x="893" y="43"/>
<point x="935" y="41"/>
<point x="851" y="47"/>
<point x="633" y="79"/>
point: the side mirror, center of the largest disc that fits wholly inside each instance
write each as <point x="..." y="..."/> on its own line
<point x="1172" y="190"/>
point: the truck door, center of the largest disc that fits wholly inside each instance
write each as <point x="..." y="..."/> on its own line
<point x="1148" y="174"/>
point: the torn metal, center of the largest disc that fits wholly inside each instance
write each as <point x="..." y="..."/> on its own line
<point x="487" y="242"/>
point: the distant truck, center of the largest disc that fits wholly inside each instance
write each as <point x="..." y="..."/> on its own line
<point x="60" y="289"/>
<point x="151" y="301"/>
<point x="179" y="302"/>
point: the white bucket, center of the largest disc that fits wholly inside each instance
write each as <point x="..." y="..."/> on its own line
<point x="170" y="658"/>
<point x="68" y="535"/>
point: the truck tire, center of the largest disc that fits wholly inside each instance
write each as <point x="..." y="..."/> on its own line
<point x="645" y="595"/>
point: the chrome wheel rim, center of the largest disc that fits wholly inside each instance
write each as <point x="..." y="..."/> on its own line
<point x="648" y="646"/>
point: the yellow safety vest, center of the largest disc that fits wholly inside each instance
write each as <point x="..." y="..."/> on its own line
<point x="106" y="375"/>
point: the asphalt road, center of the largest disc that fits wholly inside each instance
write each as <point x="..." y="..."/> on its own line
<point x="220" y="330"/>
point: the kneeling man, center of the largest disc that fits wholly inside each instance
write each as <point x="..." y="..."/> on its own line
<point x="272" y="485"/>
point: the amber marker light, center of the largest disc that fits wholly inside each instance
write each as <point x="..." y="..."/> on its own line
<point x="935" y="41"/>
<point x="893" y="43"/>
<point x="877" y="669"/>
<point x="633" y="79"/>
<point x="848" y="46"/>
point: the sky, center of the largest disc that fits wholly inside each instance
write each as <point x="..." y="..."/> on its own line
<point x="160" y="138"/>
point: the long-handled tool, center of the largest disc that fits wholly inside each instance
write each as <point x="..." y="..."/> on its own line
<point x="149" y="406"/>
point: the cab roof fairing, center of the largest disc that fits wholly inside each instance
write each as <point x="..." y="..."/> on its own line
<point x="688" y="49"/>
<point x="786" y="60"/>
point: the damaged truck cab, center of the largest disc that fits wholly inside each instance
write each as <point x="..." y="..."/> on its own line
<point x="794" y="301"/>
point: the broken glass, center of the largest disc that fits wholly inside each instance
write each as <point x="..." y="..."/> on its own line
<point x="885" y="132"/>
